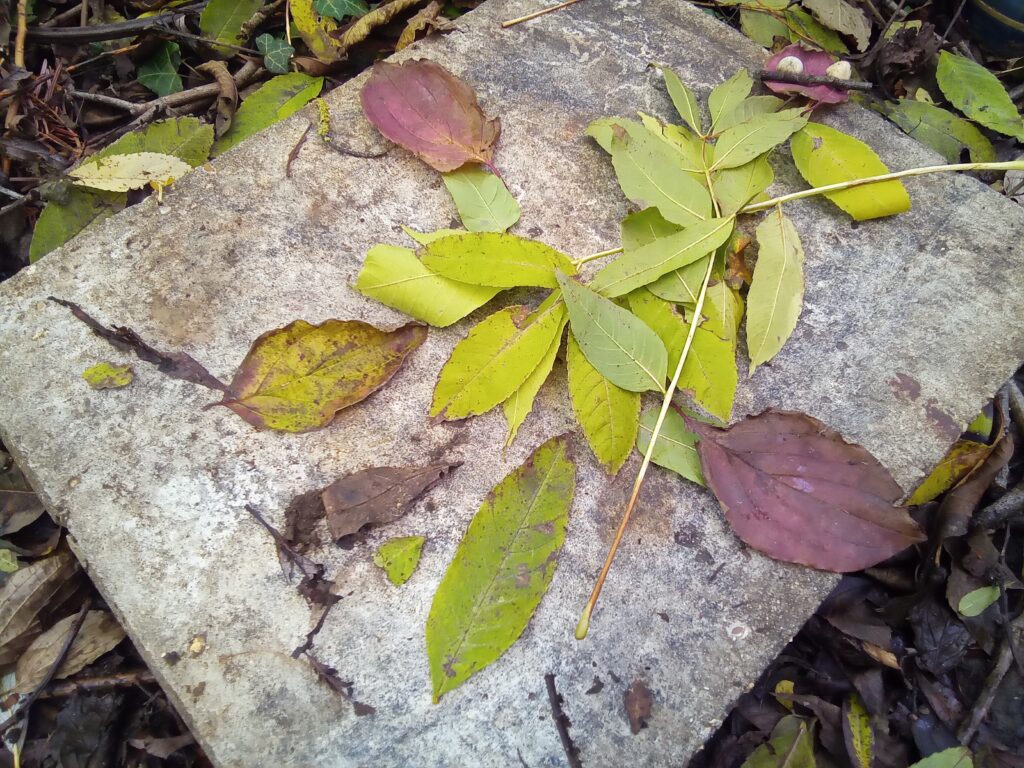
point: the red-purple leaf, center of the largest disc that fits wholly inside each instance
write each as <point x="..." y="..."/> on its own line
<point x="795" y="490"/>
<point x="815" y="63"/>
<point x="423" y="107"/>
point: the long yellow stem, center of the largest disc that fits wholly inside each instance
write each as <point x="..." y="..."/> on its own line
<point x="537" y="14"/>
<point x="594" y="256"/>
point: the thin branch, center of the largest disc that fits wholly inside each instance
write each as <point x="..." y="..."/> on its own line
<point x="538" y="14"/>
<point x="561" y="723"/>
<point x="129" y="679"/>
<point x="19" y="38"/>
<point x="799" y="78"/>
<point x="98" y="32"/>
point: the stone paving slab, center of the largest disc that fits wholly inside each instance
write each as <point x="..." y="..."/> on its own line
<point x="909" y="325"/>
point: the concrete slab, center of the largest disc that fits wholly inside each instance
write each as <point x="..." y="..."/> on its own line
<point x="909" y="325"/>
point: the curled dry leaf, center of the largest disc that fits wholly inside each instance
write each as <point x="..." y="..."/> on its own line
<point x="24" y="595"/>
<point x="795" y="490"/>
<point x="227" y="99"/>
<point x="296" y="378"/>
<point x="814" y="63"/>
<point x="99" y="633"/>
<point x="377" y="495"/>
<point x="19" y="505"/>
<point x="638" y="701"/>
<point x="423" y="107"/>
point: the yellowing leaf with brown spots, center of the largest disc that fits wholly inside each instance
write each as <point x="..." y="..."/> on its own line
<point x="296" y="378"/>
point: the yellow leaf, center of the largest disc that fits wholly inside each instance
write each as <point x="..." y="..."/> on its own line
<point x="120" y="173"/>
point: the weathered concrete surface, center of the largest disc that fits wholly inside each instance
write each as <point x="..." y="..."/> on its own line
<point x="909" y="324"/>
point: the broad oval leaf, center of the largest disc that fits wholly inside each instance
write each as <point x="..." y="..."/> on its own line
<point x="795" y="490"/>
<point x="616" y="342"/>
<point x="222" y="20"/>
<point x="735" y="187"/>
<point x="646" y="264"/>
<point x="682" y="285"/>
<point x="978" y="94"/>
<point x="394" y="276"/>
<point x="186" y="138"/>
<point x="64" y="218"/>
<point x="399" y="557"/>
<point x="121" y="173"/>
<point x="842" y="17"/>
<point x="805" y="27"/>
<point x="939" y="129"/>
<point x="483" y="200"/>
<point x="959" y="461"/>
<point x="977" y="601"/>
<point x="519" y="404"/>
<point x="726" y="96"/>
<point x="676" y="447"/>
<point x="296" y="378"/>
<point x="501" y="569"/>
<point x="825" y="156"/>
<point x="747" y="141"/>
<point x="643" y="227"/>
<point x="683" y="100"/>
<point x="495" y="259"/>
<point x="608" y="414"/>
<point x="423" y="107"/>
<point x="495" y="359"/>
<point x="791" y="746"/>
<point x="954" y="757"/>
<point x="763" y="28"/>
<point x="777" y="292"/>
<point x="276" y="99"/>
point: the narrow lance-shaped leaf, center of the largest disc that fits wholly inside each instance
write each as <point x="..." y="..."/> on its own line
<point x="676" y="447"/>
<point x="978" y="94"/>
<point x="747" y="141"/>
<point x="276" y="99"/>
<point x="608" y="414"/>
<point x="683" y="100"/>
<point x="725" y="97"/>
<point x="795" y="490"/>
<point x="735" y="187"/>
<point x="519" y="404"/>
<point x="939" y="129"/>
<point x="483" y="200"/>
<point x="495" y="259"/>
<point x="297" y="378"/>
<point x="857" y="732"/>
<point x="749" y="108"/>
<point x="618" y="344"/>
<point x="679" y="285"/>
<point x="501" y="569"/>
<point x="121" y="173"/>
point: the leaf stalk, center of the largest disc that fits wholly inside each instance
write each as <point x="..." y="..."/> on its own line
<point x="595" y="256"/>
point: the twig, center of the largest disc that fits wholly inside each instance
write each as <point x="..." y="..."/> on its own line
<point x="258" y="18"/>
<point x="1017" y="92"/>
<point x="83" y="16"/>
<point x="952" y="21"/>
<point x="63" y="16"/>
<point x="988" y="694"/>
<point x="295" y="151"/>
<point x="562" y="723"/>
<point x="537" y="14"/>
<point x="98" y="32"/>
<point x="798" y="78"/>
<point x="1002" y="509"/>
<point x="94" y="684"/>
<point x="19" y="38"/>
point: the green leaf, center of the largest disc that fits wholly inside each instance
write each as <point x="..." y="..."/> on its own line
<point x="108" y="376"/>
<point x="651" y="172"/>
<point x="939" y="129"/>
<point x="723" y="311"/>
<point x="805" y="27"/>
<point x="64" y="218"/>
<point x="735" y="187"/>
<point x="618" y="344"/>
<point x="978" y="94"/>
<point x="495" y="359"/>
<point x="842" y="17"/>
<point x="643" y="227"/>
<point x="777" y="292"/>
<point x="954" y="757"/>
<point x="675" y="449"/>
<point x="745" y="142"/>
<point x="278" y="98"/>
<point x="826" y="156"/>
<point x="276" y="53"/>
<point x="185" y="138"/>
<point x="960" y="459"/>
<point x="857" y="732"/>
<point x="681" y="285"/>
<point x="683" y="100"/>
<point x="649" y="262"/>
<point x="518" y="406"/>
<point x="709" y="375"/>
<point x="497" y="259"/>
<point x="763" y="28"/>
<point x="222" y="20"/>
<point x="749" y="108"/>
<point x="428" y="237"/>
<point x="159" y="72"/>
<point x="399" y="557"/>
<point x="607" y="413"/>
<point x="394" y="276"/>
<point x="315" y="30"/>
<point x="8" y="561"/>
<point x="975" y="602"/>
<point x="339" y="9"/>
<point x="501" y="569"/>
<point x="791" y="746"/>
<point x="121" y="173"/>
<point x="687" y="147"/>
<point x="727" y="96"/>
<point x="483" y="200"/>
<point x="661" y="317"/>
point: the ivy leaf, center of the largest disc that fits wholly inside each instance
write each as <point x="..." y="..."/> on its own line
<point x="777" y="292"/>
<point x="735" y="187"/>
<point x="399" y="557"/>
<point x="483" y="200"/>
<point x="939" y="129"/>
<point x="424" y="108"/>
<point x="978" y="94"/>
<point x="339" y="9"/>
<point x="617" y="343"/>
<point x="296" y="378"/>
<point x="842" y="17"/>
<point x="278" y="98"/>
<point x="795" y="490"/>
<point x="121" y="173"/>
<point x="857" y="732"/>
<point x="683" y="100"/>
<point x="501" y="569"/>
<point x="749" y="108"/>
<point x="108" y="376"/>
<point x="747" y="141"/>
<point x="222" y="20"/>
<point x="675" y="449"/>
<point x="495" y="259"/>
<point x="725" y="97"/>
<point x="519" y="404"/>
<point x="495" y="359"/>
<point x="159" y="72"/>
<point x="276" y="52"/>
<point x="608" y="414"/>
<point x="825" y="156"/>
<point x="791" y="746"/>
<point x="959" y="461"/>
<point x="394" y="276"/>
<point x="64" y="218"/>
<point x="649" y="262"/>
<point x="185" y="138"/>
<point x="954" y="757"/>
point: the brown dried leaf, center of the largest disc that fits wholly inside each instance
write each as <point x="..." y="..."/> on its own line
<point x="795" y="490"/>
<point x="227" y="99"/>
<point x="26" y="592"/>
<point x="100" y="632"/>
<point x="19" y="505"/>
<point x="954" y="514"/>
<point x="377" y="495"/>
<point x="423" y="107"/>
<point x="424" y="18"/>
<point x="638" y="703"/>
<point x="361" y="28"/>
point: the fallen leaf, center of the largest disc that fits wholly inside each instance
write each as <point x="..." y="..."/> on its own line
<point x="638" y="702"/>
<point x="749" y="108"/>
<point x="978" y="94"/>
<point x="315" y="30"/>
<point x="683" y="99"/>
<point x="423" y="19"/>
<point x="376" y="496"/>
<point x="162" y="748"/>
<point x="185" y="138"/>
<point x="108" y="376"/>
<point x="728" y="95"/>
<point x="276" y="53"/>
<point x="953" y="516"/>
<point x="975" y="602"/>
<point x="954" y="757"/>
<point x="520" y="403"/>
<point x="795" y="490"/>
<point x="222" y="20"/>
<point x="814" y="63"/>
<point x="791" y="746"/>
<point x="86" y="729"/>
<point x="747" y="141"/>
<point x="159" y="72"/>
<point x="940" y="640"/>
<point x="399" y="557"/>
<point x="25" y="594"/>
<point x="939" y="129"/>
<point x="64" y="218"/>
<point x="676" y="447"/>
<point x="361" y="28"/>
<point x="804" y="27"/>
<point x="842" y="17"/>
<point x="276" y="99"/>
<point x="483" y="200"/>
<point x="297" y="378"/>
<point x="776" y="293"/>
<point x="121" y="173"/>
<point x="496" y="260"/>
<point x="340" y="9"/>
<point x="501" y="569"/>
<point x="424" y="108"/>
<point x="959" y="461"/>
<point x="227" y="98"/>
<point x="858" y="733"/>
<point x="19" y="504"/>
<point x="98" y="634"/>
<point x="735" y="187"/>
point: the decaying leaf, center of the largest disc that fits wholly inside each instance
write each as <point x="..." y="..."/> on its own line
<point x="108" y="376"/>
<point x="19" y="504"/>
<point x="361" y="28"/>
<point x="795" y="490"/>
<point x="24" y="594"/>
<point x="858" y="733"/>
<point x="376" y="496"/>
<point x="501" y="569"/>
<point x="638" y="702"/>
<point x="813" y="63"/>
<point x="958" y="462"/>
<point x="276" y="99"/>
<point x="98" y="634"/>
<point x="791" y="746"/>
<point x="227" y="99"/>
<point x="423" y="19"/>
<point x="120" y="173"/>
<point x="297" y="378"/>
<point x="424" y="108"/>
<point x="399" y="557"/>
